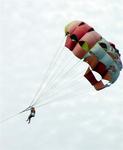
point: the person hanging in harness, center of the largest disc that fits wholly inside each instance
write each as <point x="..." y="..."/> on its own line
<point x="32" y="114"/>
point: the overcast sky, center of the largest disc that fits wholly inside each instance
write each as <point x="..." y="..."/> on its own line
<point x="31" y="32"/>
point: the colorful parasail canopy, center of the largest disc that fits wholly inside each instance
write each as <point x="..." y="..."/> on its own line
<point x="101" y="55"/>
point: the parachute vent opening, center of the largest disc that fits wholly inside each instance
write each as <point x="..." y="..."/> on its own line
<point x="82" y="23"/>
<point x="113" y="45"/>
<point x="91" y="29"/>
<point x="97" y="76"/>
<point x="105" y="81"/>
<point x="66" y="33"/>
<point x="81" y="42"/>
<point x="74" y="38"/>
<point x="103" y="45"/>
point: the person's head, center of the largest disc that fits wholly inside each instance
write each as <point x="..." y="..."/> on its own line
<point x="33" y="108"/>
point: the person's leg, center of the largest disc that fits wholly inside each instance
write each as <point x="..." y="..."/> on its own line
<point x="30" y="118"/>
<point x="27" y="119"/>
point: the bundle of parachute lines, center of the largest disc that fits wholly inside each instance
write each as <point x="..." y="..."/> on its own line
<point x="87" y="46"/>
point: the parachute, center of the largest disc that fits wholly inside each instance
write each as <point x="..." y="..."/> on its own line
<point x="88" y="46"/>
<point x="101" y="55"/>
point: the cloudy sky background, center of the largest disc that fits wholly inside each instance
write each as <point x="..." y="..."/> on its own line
<point x="31" y="32"/>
